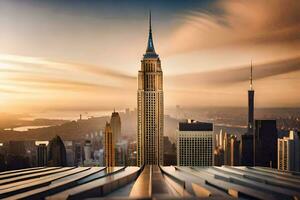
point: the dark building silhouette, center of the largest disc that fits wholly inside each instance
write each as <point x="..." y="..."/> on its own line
<point x="42" y="155"/>
<point x="219" y="156"/>
<point x="246" y="147"/>
<point x="57" y="152"/>
<point x="250" y="105"/>
<point x="17" y="156"/>
<point x="234" y="151"/>
<point x="170" y="157"/>
<point x="121" y="153"/>
<point x="247" y="150"/>
<point x="78" y="154"/>
<point x="265" y="143"/>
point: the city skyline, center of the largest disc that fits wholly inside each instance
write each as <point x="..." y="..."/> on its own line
<point x="207" y="49"/>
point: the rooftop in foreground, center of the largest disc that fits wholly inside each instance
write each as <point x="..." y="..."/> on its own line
<point x="150" y="182"/>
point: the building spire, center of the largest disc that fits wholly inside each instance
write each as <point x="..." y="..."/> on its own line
<point x="251" y="78"/>
<point x="150" y="28"/>
<point x="150" y="46"/>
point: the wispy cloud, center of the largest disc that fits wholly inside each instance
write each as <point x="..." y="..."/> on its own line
<point x="235" y="74"/>
<point x="239" y="23"/>
<point x="34" y="63"/>
<point x="39" y="72"/>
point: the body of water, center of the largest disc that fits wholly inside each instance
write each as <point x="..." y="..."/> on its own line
<point x="25" y="128"/>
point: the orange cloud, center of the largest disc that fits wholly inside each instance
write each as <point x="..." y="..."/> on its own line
<point x="239" y="23"/>
<point x="234" y="75"/>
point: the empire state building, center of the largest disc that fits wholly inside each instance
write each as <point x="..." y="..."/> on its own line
<point x="150" y="116"/>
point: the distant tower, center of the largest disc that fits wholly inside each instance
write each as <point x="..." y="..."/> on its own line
<point x="115" y="123"/>
<point x="87" y="150"/>
<point x="109" y="146"/>
<point x="250" y="105"/>
<point x="150" y="115"/>
<point x="57" y="155"/>
<point x="42" y="155"/>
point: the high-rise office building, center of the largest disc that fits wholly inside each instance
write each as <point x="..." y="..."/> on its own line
<point x="87" y="148"/>
<point x="231" y="150"/>
<point x="70" y="154"/>
<point x="289" y="152"/>
<point x="251" y="104"/>
<point x="246" y="148"/>
<point x="78" y="158"/>
<point x="121" y="150"/>
<point x="218" y="156"/>
<point x="115" y="123"/>
<point x="220" y="138"/>
<point x="150" y="116"/>
<point x="170" y="153"/>
<point x="265" y="143"/>
<point x="57" y="155"/>
<point x="234" y="151"/>
<point x="109" y="146"/>
<point x="195" y="144"/>
<point x="219" y="148"/>
<point x="41" y="155"/>
<point x="226" y="148"/>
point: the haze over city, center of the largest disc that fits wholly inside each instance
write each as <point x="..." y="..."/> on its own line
<point x="84" y="56"/>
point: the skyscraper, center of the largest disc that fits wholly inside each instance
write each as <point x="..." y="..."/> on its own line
<point x="231" y="150"/>
<point x="78" y="158"/>
<point x="109" y="146"/>
<point x="115" y="123"/>
<point x="234" y="151"/>
<point x="289" y="152"/>
<point x="150" y="117"/>
<point x="250" y="105"/>
<point x="41" y="154"/>
<point x="121" y="150"/>
<point x="195" y="144"/>
<point x="247" y="139"/>
<point x="87" y="150"/>
<point x="265" y="143"/>
<point x="57" y="155"/>
<point x="247" y="150"/>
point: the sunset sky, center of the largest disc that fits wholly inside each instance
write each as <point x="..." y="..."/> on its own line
<point x="85" y="55"/>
